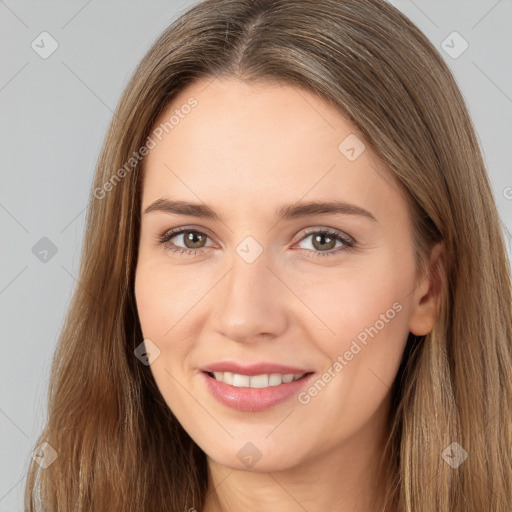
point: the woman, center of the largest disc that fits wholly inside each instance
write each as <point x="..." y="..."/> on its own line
<point x="294" y="292"/>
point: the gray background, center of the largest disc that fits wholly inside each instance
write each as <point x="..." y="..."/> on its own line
<point x="55" y="113"/>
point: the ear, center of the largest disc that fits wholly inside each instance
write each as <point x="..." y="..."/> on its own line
<point x="427" y="294"/>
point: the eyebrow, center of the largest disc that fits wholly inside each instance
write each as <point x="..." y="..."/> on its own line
<point x="285" y="212"/>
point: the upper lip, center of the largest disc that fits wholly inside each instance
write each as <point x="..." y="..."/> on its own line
<point x="253" y="368"/>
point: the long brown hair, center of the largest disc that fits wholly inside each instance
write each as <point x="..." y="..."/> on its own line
<point x="119" y="446"/>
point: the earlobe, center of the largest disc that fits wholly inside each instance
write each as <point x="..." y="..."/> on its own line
<point x="427" y="295"/>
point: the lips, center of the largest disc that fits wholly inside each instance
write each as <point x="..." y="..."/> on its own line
<point x="234" y="388"/>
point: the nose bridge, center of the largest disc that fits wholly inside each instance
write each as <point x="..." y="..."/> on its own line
<point x="251" y="303"/>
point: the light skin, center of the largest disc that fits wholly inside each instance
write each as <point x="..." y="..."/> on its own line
<point x="247" y="150"/>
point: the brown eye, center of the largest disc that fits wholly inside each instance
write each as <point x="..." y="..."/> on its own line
<point x="323" y="241"/>
<point x="194" y="239"/>
<point x="193" y="243"/>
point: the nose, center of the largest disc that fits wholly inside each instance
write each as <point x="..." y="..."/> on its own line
<point x="251" y="302"/>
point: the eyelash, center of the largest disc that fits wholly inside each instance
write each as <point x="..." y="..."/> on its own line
<point x="168" y="235"/>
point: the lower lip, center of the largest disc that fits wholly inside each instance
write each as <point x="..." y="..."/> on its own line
<point x="254" y="399"/>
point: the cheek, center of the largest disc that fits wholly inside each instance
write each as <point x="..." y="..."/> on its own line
<point x="368" y="313"/>
<point x="356" y="301"/>
<point x="160" y="306"/>
<point x="151" y="298"/>
<point x="366" y="309"/>
<point x="162" y="298"/>
<point x="168" y="302"/>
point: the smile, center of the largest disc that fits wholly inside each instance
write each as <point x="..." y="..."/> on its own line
<point x="254" y="393"/>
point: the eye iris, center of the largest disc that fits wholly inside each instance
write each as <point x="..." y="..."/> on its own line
<point x="192" y="237"/>
<point x="320" y="237"/>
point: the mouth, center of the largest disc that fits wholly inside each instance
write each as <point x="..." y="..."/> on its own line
<point x="254" y="393"/>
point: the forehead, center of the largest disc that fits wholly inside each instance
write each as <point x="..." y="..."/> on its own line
<point x="227" y="140"/>
<point x="269" y="116"/>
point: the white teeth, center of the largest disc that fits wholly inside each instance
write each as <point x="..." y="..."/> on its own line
<point x="256" y="381"/>
<point x="275" y="379"/>
<point x="259" y="381"/>
<point x="241" y="381"/>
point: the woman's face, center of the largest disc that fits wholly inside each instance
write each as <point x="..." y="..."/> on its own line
<point x="256" y="287"/>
